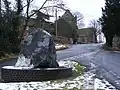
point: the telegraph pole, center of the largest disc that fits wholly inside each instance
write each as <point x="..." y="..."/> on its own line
<point x="0" y="9"/>
<point x="56" y="23"/>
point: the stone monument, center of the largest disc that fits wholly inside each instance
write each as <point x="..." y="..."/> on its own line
<point x="37" y="50"/>
<point x="37" y="60"/>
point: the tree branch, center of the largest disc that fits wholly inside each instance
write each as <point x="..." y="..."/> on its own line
<point x="38" y="9"/>
<point x="80" y="19"/>
<point x="28" y="17"/>
<point x="55" y="6"/>
<point x="26" y="5"/>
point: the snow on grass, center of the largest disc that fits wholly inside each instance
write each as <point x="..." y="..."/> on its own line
<point x="68" y="83"/>
<point x="79" y="81"/>
<point x="103" y="84"/>
<point x="60" y="46"/>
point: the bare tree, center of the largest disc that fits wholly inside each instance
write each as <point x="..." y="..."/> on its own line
<point x="28" y="16"/>
<point x="95" y="24"/>
<point x="79" y="19"/>
<point x="52" y="4"/>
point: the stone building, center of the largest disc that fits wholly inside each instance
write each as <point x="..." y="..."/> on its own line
<point x="63" y="28"/>
<point x="87" y="35"/>
<point x="67" y="26"/>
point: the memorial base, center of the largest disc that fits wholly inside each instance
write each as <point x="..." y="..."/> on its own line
<point x="17" y="74"/>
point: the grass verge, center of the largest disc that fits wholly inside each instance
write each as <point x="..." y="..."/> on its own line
<point x="72" y="83"/>
<point x="8" y="57"/>
<point x="105" y="47"/>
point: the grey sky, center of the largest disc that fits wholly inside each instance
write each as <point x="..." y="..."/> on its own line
<point x="91" y="9"/>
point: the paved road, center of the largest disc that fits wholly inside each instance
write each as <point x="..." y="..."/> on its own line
<point x="78" y="49"/>
<point x="108" y="66"/>
<point x="106" y="63"/>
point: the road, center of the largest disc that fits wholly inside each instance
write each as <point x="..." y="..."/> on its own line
<point x="106" y="63"/>
<point x="78" y="49"/>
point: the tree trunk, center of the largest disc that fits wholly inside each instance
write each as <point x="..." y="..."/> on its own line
<point x="109" y="41"/>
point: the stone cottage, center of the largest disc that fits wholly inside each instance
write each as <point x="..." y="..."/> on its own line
<point x="87" y="35"/>
<point x="67" y="26"/>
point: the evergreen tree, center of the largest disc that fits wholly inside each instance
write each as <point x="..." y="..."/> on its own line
<point x="110" y="20"/>
<point x="9" y="27"/>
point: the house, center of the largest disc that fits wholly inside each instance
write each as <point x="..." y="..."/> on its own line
<point x="87" y="35"/>
<point x="67" y="26"/>
<point x="69" y="17"/>
<point x="63" y="28"/>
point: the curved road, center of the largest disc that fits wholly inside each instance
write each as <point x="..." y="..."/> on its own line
<point x="78" y="49"/>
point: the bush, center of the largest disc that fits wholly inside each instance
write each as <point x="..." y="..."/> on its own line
<point x="79" y="69"/>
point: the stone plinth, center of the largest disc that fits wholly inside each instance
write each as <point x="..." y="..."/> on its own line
<point x="24" y="74"/>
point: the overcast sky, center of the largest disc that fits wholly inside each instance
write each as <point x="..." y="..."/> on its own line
<point x="91" y="9"/>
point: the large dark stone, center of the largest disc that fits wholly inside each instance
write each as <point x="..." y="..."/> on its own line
<point x="38" y="49"/>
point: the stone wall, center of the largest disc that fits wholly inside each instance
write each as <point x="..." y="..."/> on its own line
<point x="61" y="40"/>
